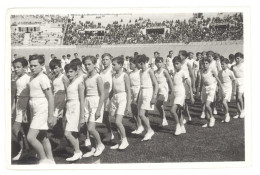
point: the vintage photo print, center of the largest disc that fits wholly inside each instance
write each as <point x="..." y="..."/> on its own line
<point x="127" y="88"/>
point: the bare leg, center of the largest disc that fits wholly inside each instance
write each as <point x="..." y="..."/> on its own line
<point x="74" y="141"/>
<point x="36" y="144"/>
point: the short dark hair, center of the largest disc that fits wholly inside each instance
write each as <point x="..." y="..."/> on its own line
<point x="207" y="60"/>
<point x="225" y="60"/>
<point x="70" y="66"/>
<point x="177" y="59"/>
<point x="197" y="54"/>
<point x="142" y="58"/>
<point x="183" y="53"/>
<point x="68" y="55"/>
<point x="106" y="54"/>
<point x="40" y="58"/>
<point x="53" y="63"/>
<point x="240" y="55"/>
<point x="21" y="60"/>
<point x="76" y="61"/>
<point x="133" y="60"/>
<point x="63" y="56"/>
<point x="159" y="60"/>
<point x="156" y="53"/>
<point x="119" y="60"/>
<point x="210" y="53"/>
<point x="190" y="53"/>
<point x="231" y="57"/>
<point x="90" y="57"/>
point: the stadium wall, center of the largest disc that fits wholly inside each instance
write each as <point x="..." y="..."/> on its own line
<point x="222" y="47"/>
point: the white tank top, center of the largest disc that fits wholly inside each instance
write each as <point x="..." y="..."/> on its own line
<point x="135" y="78"/>
<point x="91" y="85"/>
<point x="22" y="86"/>
<point x="178" y="79"/>
<point x="73" y="90"/>
<point x="208" y="78"/>
<point x="107" y="79"/>
<point x="160" y="77"/>
<point x="146" y="81"/>
<point x="196" y="65"/>
<point x="224" y="76"/>
<point x="58" y="84"/>
<point x="119" y="83"/>
<point x="239" y="70"/>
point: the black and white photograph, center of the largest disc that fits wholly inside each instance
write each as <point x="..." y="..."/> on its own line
<point x="127" y="86"/>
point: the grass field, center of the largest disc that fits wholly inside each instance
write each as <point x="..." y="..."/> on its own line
<point x="224" y="142"/>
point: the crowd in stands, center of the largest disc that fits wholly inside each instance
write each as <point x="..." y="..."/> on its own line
<point x="229" y="27"/>
<point x="196" y="29"/>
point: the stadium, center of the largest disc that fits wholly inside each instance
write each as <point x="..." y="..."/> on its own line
<point x="122" y="35"/>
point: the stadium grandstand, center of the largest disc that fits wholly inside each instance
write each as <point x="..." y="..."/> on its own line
<point x="41" y="30"/>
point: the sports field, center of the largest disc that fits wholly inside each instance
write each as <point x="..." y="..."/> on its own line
<point x="224" y="142"/>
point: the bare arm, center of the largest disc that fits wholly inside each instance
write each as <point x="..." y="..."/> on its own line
<point x="169" y="80"/>
<point x="192" y="77"/>
<point x="101" y="93"/>
<point x="190" y="89"/>
<point x="155" y="86"/>
<point x="81" y="89"/>
<point x="218" y="81"/>
<point x="128" y="92"/>
<point x="50" y="98"/>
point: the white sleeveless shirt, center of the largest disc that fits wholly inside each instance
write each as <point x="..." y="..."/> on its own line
<point x="22" y="86"/>
<point x="91" y="85"/>
<point x="73" y="89"/>
<point x="135" y="78"/>
<point x="208" y="78"/>
<point x="58" y="84"/>
<point x="119" y="83"/>
<point x="146" y="81"/>
<point x="107" y="79"/>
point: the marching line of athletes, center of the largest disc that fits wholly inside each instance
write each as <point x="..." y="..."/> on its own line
<point x="90" y="96"/>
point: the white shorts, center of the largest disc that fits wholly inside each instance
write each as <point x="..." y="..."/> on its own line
<point x="134" y="93"/>
<point x="145" y="97"/>
<point x="118" y="104"/>
<point x="39" y="113"/>
<point x="227" y="91"/>
<point x="179" y="97"/>
<point x="90" y="108"/>
<point x="21" y="109"/>
<point x="163" y="91"/>
<point x="208" y="93"/>
<point x="72" y="115"/>
<point x="240" y="85"/>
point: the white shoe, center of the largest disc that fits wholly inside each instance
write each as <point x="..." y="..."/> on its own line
<point x="183" y="130"/>
<point x="148" y="136"/>
<point x="90" y="153"/>
<point x="242" y="115"/>
<point x="134" y="132"/>
<point x="124" y="144"/>
<point x="227" y="118"/>
<point x="236" y="116"/>
<point x="17" y="157"/>
<point x="114" y="147"/>
<point x="75" y="157"/>
<point x="202" y="115"/>
<point x="99" y="150"/>
<point x="178" y="130"/>
<point x="212" y="122"/>
<point x="184" y="121"/>
<point x="139" y="130"/>
<point x="87" y="142"/>
<point x="51" y="161"/>
<point x="164" y="123"/>
<point x="44" y="162"/>
<point x="205" y="125"/>
<point x="215" y="111"/>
